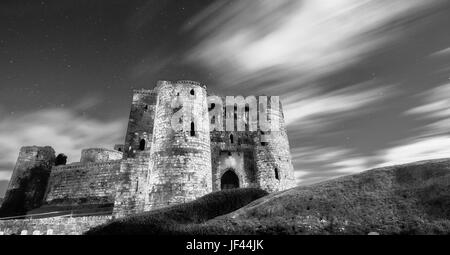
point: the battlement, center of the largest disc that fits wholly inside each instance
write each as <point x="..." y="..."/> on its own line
<point x="188" y="82"/>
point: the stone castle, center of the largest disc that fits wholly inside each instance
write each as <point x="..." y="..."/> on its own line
<point x="158" y="165"/>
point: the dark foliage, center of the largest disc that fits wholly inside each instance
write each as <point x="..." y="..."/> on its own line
<point x="61" y="160"/>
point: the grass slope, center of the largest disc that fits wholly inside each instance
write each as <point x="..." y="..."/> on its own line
<point x="405" y="199"/>
<point x="177" y="219"/>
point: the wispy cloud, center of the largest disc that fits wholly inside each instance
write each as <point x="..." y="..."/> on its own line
<point x="293" y="48"/>
<point x="316" y="110"/>
<point x="433" y="140"/>
<point x="303" y="40"/>
<point x="314" y="164"/>
<point x="435" y="109"/>
<point x="417" y="150"/>
<point x="65" y="129"/>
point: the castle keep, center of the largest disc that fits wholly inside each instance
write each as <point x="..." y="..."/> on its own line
<point x="178" y="147"/>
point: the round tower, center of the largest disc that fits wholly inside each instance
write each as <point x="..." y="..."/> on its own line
<point x="31" y="157"/>
<point x="180" y="157"/>
<point x="275" y="171"/>
<point x="29" y="179"/>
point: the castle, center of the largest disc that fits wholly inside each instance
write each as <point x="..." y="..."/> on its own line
<point x="159" y="165"/>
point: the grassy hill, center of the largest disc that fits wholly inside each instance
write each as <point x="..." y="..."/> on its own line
<point x="405" y="199"/>
<point x="175" y="219"/>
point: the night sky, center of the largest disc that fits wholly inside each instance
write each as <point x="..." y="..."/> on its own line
<point x="364" y="83"/>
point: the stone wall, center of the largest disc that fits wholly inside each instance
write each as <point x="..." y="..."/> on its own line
<point x="236" y="156"/>
<point x="97" y="155"/>
<point x="79" y="183"/>
<point x="259" y="159"/>
<point x="130" y="190"/>
<point x="51" y="226"/>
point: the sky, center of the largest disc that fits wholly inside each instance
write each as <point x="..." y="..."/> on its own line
<point x="364" y="83"/>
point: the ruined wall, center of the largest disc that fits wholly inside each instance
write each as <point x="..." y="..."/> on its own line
<point x="80" y="183"/>
<point x="97" y="155"/>
<point x="51" y="226"/>
<point x="141" y="120"/>
<point x="180" y="159"/>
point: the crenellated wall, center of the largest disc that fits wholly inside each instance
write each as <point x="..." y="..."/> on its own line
<point x="83" y="183"/>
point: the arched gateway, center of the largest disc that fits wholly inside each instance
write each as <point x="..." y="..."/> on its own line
<point x="229" y="180"/>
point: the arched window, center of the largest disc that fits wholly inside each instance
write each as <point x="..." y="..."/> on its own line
<point x="192" y="92"/>
<point x="142" y="145"/>
<point x="276" y="174"/>
<point x="192" y="129"/>
<point x="231" y="139"/>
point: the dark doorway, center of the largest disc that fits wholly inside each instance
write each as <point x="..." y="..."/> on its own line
<point x="229" y="180"/>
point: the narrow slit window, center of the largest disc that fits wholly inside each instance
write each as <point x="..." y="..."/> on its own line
<point x="276" y="174"/>
<point x="231" y="139"/>
<point x="192" y="129"/>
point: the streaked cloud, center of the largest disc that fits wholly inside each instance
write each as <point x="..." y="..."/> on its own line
<point x="315" y="110"/>
<point x="67" y="130"/>
<point x="433" y="141"/>
<point x="435" y="109"/>
<point x="417" y="150"/>
<point x="303" y="40"/>
<point x="315" y="164"/>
